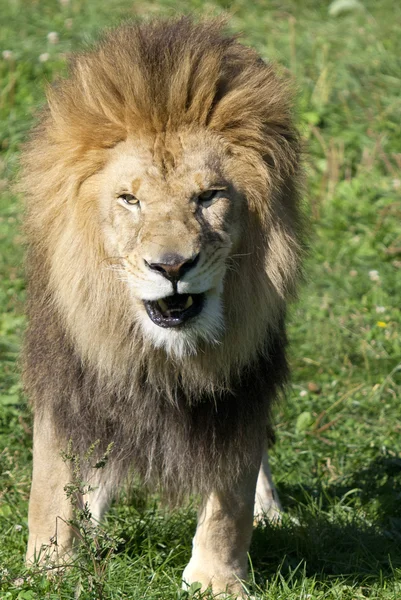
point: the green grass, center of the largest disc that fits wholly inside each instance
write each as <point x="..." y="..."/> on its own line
<point x="337" y="460"/>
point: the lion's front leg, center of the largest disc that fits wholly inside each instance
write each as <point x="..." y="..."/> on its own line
<point x="267" y="502"/>
<point x="221" y="543"/>
<point x="49" y="509"/>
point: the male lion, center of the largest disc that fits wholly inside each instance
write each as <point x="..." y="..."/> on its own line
<point x="163" y="230"/>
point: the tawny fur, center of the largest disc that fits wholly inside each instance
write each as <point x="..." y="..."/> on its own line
<point x="193" y="423"/>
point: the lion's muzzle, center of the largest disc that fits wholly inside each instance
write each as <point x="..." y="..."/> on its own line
<point x="177" y="309"/>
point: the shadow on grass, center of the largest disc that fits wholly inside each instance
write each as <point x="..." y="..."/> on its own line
<point x="350" y="529"/>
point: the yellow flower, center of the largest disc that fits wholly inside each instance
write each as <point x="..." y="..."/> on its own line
<point x="381" y="324"/>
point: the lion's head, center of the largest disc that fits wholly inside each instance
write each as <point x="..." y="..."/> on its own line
<point x="162" y="193"/>
<point x="171" y="218"/>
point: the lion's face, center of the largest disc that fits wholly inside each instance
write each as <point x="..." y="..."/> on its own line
<point x="170" y="218"/>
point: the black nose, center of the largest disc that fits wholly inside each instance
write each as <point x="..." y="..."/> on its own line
<point x="173" y="266"/>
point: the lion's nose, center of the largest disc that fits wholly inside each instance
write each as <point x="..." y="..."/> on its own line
<point x="173" y="266"/>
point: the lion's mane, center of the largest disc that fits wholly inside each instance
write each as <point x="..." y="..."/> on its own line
<point x="188" y="424"/>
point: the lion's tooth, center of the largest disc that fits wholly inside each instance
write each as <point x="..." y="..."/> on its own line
<point x="162" y="305"/>
<point x="189" y="302"/>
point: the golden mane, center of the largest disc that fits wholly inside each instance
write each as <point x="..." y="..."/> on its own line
<point x="152" y="78"/>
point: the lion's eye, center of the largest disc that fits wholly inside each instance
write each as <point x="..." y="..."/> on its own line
<point x="207" y="198"/>
<point x="129" y="199"/>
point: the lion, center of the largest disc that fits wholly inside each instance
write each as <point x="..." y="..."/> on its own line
<point x="163" y="224"/>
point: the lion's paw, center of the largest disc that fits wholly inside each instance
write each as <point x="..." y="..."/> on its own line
<point x="228" y="587"/>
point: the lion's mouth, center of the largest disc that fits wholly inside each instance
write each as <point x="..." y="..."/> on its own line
<point x="174" y="310"/>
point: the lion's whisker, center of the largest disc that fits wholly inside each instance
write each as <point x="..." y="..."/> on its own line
<point x="112" y="258"/>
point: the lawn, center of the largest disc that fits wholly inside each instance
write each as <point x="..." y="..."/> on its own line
<point x="337" y="459"/>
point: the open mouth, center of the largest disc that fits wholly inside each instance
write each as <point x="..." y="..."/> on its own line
<point x="175" y="310"/>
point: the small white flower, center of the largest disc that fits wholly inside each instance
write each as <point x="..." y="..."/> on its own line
<point x="380" y="309"/>
<point x="44" y="57"/>
<point x="7" y="54"/>
<point x="18" y="528"/>
<point x="374" y="275"/>
<point x="52" y="37"/>
<point x="303" y="393"/>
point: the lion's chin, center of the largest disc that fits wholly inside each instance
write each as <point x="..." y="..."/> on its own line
<point x="175" y="310"/>
<point x="180" y="327"/>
